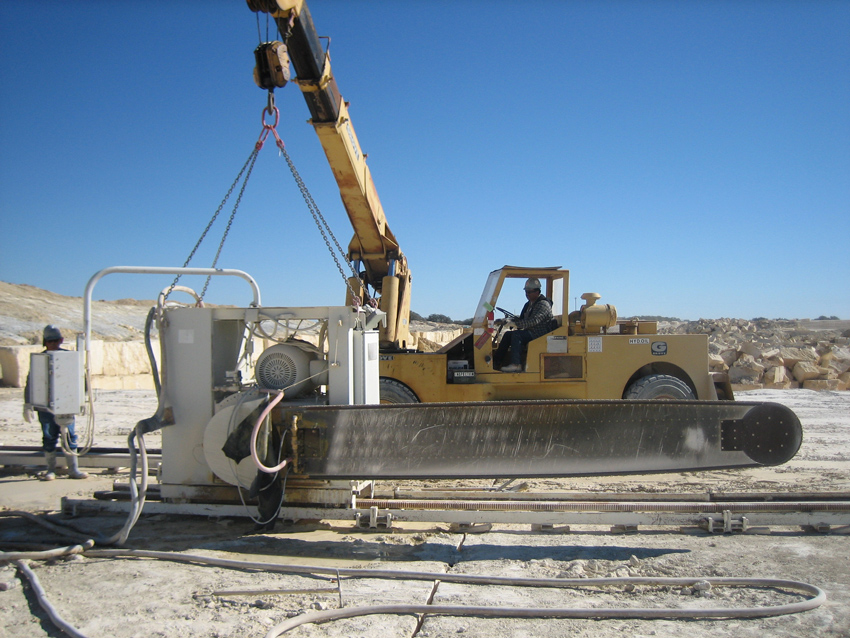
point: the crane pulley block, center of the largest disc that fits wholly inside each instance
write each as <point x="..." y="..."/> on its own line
<point x="272" y="65"/>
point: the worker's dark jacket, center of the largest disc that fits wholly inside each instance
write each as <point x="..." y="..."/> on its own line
<point x="537" y="317"/>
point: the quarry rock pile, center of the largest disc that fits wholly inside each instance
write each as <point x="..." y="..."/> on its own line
<point x="773" y="354"/>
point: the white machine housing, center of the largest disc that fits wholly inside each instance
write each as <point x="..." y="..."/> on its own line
<point x="57" y="382"/>
<point x="201" y="351"/>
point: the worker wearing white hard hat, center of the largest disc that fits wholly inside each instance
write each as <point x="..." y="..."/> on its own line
<point x="534" y="321"/>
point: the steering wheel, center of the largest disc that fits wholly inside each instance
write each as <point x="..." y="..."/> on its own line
<point x="508" y="315"/>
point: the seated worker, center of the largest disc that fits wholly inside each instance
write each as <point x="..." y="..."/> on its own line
<point x="534" y="321"/>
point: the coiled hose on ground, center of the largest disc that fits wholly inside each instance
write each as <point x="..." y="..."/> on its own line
<point x="816" y="595"/>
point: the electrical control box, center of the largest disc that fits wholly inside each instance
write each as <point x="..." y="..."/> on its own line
<point x="57" y="381"/>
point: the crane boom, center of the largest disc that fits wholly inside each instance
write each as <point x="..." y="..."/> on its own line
<point x="373" y="245"/>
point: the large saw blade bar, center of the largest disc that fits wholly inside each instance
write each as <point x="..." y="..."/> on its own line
<point x="526" y="439"/>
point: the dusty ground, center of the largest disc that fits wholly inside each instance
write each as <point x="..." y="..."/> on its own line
<point x="122" y="598"/>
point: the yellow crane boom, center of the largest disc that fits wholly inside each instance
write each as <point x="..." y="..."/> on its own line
<point x="373" y="246"/>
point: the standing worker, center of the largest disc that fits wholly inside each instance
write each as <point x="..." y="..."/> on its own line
<point x="534" y="321"/>
<point x="50" y="429"/>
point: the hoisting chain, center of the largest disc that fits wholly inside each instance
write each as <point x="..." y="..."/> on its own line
<point x="249" y="164"/>
<point x="322" y="225"/>
<point x="318" y="218"/>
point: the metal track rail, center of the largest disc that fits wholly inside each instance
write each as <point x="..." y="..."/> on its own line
<point x="100" y="457"/>
<point x="639" y="511"/>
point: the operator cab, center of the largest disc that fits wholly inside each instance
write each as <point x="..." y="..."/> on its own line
<point x="504" y="296"/>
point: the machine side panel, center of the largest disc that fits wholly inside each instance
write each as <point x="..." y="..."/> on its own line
<point x="188" y="385"/>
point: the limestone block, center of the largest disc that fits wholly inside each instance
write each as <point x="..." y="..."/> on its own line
<point x="836" y="358"/>
<point x="426" y="345"/>
<point x="716" y="363"/>
<point x="794" y="355"/>
<point x="122" y="358"/>
<point x="823" y="384"/>
<point x="806" y="370"/>
<point x="96" y="357"/>
<point x="774" y="361"/>
<point x="759" y="350"/>
<point x="124" y="382"/>
<point x="777" y="378"/>
<point x="729" y="356"/>
<point x="746" y="371"/>
<point x="844" y="377"/>
<point x="15" y="362"/>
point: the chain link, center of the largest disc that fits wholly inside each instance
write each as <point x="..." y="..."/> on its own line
<point x="250" y="161"/>
<point x="318" y="218"/>
<point x="323" y="226"/>
<point x="230" y="221"/>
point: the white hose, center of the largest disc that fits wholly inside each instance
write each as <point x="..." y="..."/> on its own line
<point x="60" y="622"/>
<point x="137" y="494"/>
<point x="48" y="554"/>
<point x="818" y="596"/>
<point x="254" y="456"/>
<point x="571" y="612"/>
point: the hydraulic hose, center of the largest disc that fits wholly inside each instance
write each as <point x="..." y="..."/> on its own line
<point x="254" y="456"/>
<point x="54" y="615"/>
<point x="60" y="529"/>
<point x="48" y="554"/>
<point x="137" y="493"/>
<point x="818" y="596"/>
<point x="149" y="348"/>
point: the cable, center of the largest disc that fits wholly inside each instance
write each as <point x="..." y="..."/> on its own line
<point x="818" y="596"/>
<point x="255" y="431"/>
<point x="57" y="528"/>
<point x="571" y="612"/>
<point x="48" y="554"/>
<point x="60" y="622"/>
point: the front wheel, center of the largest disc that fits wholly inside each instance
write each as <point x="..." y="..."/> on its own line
<point x="659" y="387"/>
<point x="393" y="391"/>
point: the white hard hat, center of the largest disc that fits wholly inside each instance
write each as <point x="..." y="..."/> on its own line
<point x="51" y="333"/>
<point x="532" y="284"/>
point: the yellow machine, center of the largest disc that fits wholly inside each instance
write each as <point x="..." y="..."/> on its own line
<point x="588" y="356"/>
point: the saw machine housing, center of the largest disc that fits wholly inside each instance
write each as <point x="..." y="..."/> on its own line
<point x="316" y="356"/>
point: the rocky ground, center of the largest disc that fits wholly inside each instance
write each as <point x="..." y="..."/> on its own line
<point x="776" y="354"/>
<point x="127" y="597"/>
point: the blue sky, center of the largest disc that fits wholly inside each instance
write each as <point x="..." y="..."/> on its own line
<point x="688" y="159"/>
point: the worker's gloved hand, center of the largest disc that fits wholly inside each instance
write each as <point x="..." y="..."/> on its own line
<point x="27" y="413"/>
<point x="510" y="325"/>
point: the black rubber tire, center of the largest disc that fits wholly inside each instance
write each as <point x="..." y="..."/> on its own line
<point x="393" y="391"/>
<point x="659" y="387"/>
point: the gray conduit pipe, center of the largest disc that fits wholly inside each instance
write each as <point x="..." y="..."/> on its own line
<point x="572" y="612"/>
<point x="818" y="595"/>
<point x="60" y="622"/>
<point x="47" y="554"/>
<point x="53" y="527"/>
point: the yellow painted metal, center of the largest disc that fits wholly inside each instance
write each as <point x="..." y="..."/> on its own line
<point x="389" y="304"/>
<point x="592" y="365"/>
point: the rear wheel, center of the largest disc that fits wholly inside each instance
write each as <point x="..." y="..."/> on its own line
<point x="659" y="387"/>
<point x="393" y="391"/>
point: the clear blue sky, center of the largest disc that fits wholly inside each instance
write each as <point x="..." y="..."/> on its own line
<point x="687" y="158"/>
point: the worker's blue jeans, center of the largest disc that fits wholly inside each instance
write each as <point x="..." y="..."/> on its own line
<point x="515" y="340"/>
<point x="50" y="432"/>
